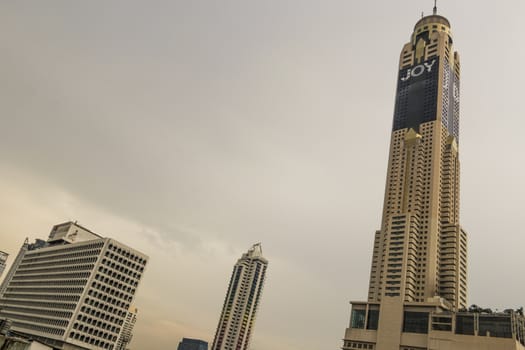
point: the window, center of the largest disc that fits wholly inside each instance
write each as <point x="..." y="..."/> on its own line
<point x="373" y="319"/>
<point x="358" y="319"/>
<point x="465" y="324"/>
<point x="495" y="326"/>
<point x="415" y="322"/>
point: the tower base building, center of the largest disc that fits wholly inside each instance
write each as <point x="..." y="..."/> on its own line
<point x="433" y="326"/>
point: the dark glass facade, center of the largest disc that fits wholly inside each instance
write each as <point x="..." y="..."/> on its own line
<point x="495" y="326"/>
<point x="192" y="344"/>
<point x="415" y="322"/>
<point x="372" y="320"/>
<point x="416" y="98"/>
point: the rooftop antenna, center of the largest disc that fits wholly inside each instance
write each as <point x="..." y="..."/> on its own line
<point x="422" y="14"/>
<point x="435" y="11"/>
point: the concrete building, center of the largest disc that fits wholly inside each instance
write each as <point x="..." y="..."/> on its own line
<point x="242" y="300"/>
<point x="3" y="261"/>
<point x="17" y="343"/>
<point x="418" y="280"/>
<point x="192" y="344"/>
<point x="127" y="329"/>
<point x="72" y="291"/>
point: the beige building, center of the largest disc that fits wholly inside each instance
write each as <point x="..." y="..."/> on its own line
<point x="242" y="301"/>
<point x="418" y="281"/>
<point x="72" y="291"/>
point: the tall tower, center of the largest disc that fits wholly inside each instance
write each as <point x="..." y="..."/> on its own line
<point x="242" y="299"/>
<point x="420" y="250"/>
<point x="419" y="263"/>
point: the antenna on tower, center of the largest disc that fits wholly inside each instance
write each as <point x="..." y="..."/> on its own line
<point x="435" y="11"/>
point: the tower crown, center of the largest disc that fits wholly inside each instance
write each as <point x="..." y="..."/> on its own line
<point x="432" y="19"/>
<point x="430" y="24"/>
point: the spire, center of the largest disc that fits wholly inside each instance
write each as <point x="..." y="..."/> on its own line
<point x="435" y="10"/>
<point x="255" y="250"/>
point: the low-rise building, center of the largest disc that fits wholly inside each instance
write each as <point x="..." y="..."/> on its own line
<point x="433" y="326"/>
<point x="192" y="344"/>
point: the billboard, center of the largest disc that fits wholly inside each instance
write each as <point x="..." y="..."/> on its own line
<point x="416" y="97"/>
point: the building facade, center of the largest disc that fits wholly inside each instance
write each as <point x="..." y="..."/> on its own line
<point x="3" y="261"/>
<point x="417" y="295"/>
<point x="127" y="329"/>
<point x="9" y="275"/>
<point x="192" y="344"/>
<point x="73" y="290"/>
<point x="241" y="303"/>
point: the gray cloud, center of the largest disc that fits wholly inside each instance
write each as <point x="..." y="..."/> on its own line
<point x="203" y="127"/>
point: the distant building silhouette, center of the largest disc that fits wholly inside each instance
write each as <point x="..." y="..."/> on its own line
<point x="192" y="344"/>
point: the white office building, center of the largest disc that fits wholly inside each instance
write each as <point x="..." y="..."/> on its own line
<point x="72" y="291"/>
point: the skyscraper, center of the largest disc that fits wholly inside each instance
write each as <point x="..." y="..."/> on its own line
<point x="420" y="250"/>
<point x="192" y="344"/>
<point x="418" y="280"/>
<point x="74" y="290"/>
<point x="3" y="260"/>
<point x="242" y="300"/>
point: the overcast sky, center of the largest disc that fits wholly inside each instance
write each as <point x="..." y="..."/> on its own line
<point x="190" y="130"/>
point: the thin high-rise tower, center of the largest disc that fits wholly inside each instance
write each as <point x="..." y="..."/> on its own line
<point x="417" y="294"/>
<point x="420" y="250"/>
<point x="242" y="300"/>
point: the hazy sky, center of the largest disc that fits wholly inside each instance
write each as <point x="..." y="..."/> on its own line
<point x="193" y="129"/>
